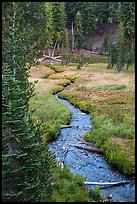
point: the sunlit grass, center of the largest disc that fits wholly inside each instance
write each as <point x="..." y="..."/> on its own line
<point x="106" y="94"/>
<point x="48" y="110"/>
<point x="109" y="97"/>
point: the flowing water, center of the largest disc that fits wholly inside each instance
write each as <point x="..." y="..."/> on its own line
<point x="91" y="166"/>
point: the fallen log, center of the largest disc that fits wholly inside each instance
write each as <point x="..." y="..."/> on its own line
<point x="97" y="151"/>
<point x="106" y="183"/>
<point x="66" y="126"/>
<point x="57" y="57"/>
<point x="82" y="141"/>
<point x="49" y="57"/>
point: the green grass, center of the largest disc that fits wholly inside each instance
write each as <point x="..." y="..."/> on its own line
<point x="116" y="124"/>
<point x="57" y="68"/>
<point x="131" y="70"/>
<point x="51" y="113"/>
<point x="68" y="187"/>
<point x="109" y="121"/>
<point x="118" y="156"/>
<point x="109" y="87"/>
<point x="72" y="98"/>
<point x="110" y="118"/>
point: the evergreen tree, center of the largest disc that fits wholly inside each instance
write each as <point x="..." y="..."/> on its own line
<point x="126" y="15"/>
<point x="47" y="26"/>
<point x="79" y="30"/>
<point x="71" y="9"/>
<point x="25" y="158"/>
<point x="88" y="18"/>
<point x="59" y="21"/>
<point x="112" y="54"/>
<point x="65" y="55"/>
<point x="101" y="13"/>
<point x="104" y="47"/>
<point x="121" y="47"/>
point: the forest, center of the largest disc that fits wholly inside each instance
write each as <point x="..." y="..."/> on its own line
<point x="68" y="101"/>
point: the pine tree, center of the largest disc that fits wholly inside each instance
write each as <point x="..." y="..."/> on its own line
<point x="59" y="21"/>
<point x="65" y="55"/>
<point x="101" y="12"/>
<point x="121" y="47"/>
<point x="47" y="26"/>
<point x="112" y="54"/>
<point x="88" y="18"/>
<point x="79" y="30"/>
<point x="25" y="158"/>
<point x="126" y="16"/>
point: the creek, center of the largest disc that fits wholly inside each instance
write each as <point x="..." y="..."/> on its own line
<point x="91" y="166"/>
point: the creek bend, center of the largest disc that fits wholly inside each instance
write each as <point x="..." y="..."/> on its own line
<point x="91" y="166"/>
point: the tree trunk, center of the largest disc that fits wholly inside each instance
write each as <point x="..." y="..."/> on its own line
<point x="97" y="151"/>
<point x="54" y="48"/>
<point x="58" y="48"/>
<point x="66" y="126"/>
<point x="107" y="183"/>
<point x="49" y="52"/>
<point x="72" y="37"/>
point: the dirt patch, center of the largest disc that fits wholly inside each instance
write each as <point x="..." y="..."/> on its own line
<point x="38" y="71"/>
<point x="98" y="39"/>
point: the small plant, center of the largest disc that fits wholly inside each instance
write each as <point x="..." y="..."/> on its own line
<point x="95" y="194"/>
<point x="80" y="60"/>
<point x="68" y="187"/>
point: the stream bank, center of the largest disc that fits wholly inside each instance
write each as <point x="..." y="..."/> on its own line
<point x="92" y="167"/>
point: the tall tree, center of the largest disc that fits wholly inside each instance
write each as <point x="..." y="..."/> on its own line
<point x="47" y="26"/>
<point x="59" y="20"/>
<point x="126" y="15"/>
<point x="121" y="47"/>
<point x="101" y="12"/>
<point x="89" y="18"/>
<point x="25" y="159"/>
<point x="79" y="30"/>
<point x="65" y="55"/>
<point x="112" y="53"/>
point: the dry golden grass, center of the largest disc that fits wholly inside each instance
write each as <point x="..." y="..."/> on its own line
<point x="39" y="70"/>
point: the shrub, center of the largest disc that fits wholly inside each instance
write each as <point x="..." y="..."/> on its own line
<point x="117" y="156"/>
<point x="68" y="187"/>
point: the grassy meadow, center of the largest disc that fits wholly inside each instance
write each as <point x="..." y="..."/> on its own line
<point x="104" y="93"/>
<point x="52" y="114"/>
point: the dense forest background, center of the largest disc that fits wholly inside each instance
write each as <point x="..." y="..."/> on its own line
<point x="72" y="25"/>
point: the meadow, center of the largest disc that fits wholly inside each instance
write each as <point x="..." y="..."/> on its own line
<point x="104" y="93"/>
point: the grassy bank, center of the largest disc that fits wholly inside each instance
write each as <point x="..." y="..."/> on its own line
<point x="51" y="113"/>
<point x="109" y="97"/>
<point x="48" y="110"/>
<point x="68" y="187"/>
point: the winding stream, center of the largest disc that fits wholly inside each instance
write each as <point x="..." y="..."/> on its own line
<point x="91" y="166"/>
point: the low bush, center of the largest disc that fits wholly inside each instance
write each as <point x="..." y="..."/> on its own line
<point x="68" y="187"/>
<point x="56" y="68"/>
<point x="119" y="158"/>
